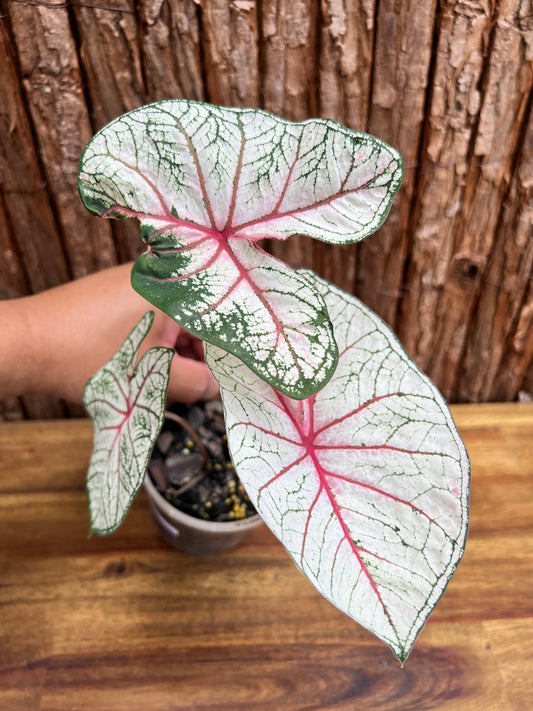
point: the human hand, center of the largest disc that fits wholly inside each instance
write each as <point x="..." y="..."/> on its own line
<point x="61" y="337"/>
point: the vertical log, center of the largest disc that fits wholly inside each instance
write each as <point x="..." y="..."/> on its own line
<point x="51" y="78"/>
<point x="494" y="148"/>
<point x="13" y="279"/>
<point x="288" y="88"/>
<point x="111" y="63"/>
<point x="402" y="57"/>
<point x="171" y="50"/>
<point x="466" y="310"/>
<point x="110" y="56"/>
<point x="288" y="57"/>
<point x="43" y="407"/>
<point x="336" y="263"/>
<point x="525" y="392"/>
<point x="516" y="369"/>
<point x="27" y="215"/>
<point x="11" y="409"/>
<point x="230" y="36"/>
<point x="345" y="63"/>
<point x="501" y="315"/>
<point x="449" y="135"/>
<point x="127" y="240"/>
<point x="346" y="48"/>
<point x="27" y="225"/>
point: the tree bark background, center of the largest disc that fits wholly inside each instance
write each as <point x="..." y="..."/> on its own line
<point x="448" y="83"/>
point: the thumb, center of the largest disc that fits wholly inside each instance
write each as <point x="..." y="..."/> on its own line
<point x="191" y="380"/>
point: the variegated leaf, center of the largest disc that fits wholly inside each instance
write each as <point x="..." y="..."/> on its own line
<point x="126" y="403"/>
<point x="208" y="183"/>
<point x="365" y="483"/>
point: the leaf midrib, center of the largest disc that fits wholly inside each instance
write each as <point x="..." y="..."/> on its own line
<point x="307" y="440"/>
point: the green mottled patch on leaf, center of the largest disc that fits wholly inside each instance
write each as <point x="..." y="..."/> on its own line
<point x="207" y="184"/>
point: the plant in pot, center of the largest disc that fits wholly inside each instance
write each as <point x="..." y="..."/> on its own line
<point x="344" y="447"/>
<point x="196" y="498"/>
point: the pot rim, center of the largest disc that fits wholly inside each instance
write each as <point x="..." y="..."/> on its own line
<point x="180" y="517"/>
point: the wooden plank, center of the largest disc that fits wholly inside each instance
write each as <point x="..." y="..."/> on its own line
<point x="462" y="677"/>
<point x="402" y="57"/>
<point x="51" y="78"/>
<point x="123" y="622"/>
<point x="504" y="637"/>
<point x="91" y="604"/>
<point x="454" y="671"/>
<point x="171" y="50"/>
<point x="474" y="127"/>
<point x="53" y="458"/>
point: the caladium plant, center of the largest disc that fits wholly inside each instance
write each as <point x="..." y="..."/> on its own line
<point x="207" y="184"/>
<point x="126" y="402"/>
<point x="346" y="449"/>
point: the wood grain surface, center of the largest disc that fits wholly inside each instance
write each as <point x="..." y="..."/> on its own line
<point x="126" y="623"/>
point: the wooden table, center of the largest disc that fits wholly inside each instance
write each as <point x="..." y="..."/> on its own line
<point x="124" y="622"/>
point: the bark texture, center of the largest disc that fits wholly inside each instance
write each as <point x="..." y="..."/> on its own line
<point x="29" y="230"/>
<point x="171" y="50"/>
<point x="402" y="57"/>
<point x="345" y="62"/>
<point x="110" y="58"/>
<point x="230" y="49"/>
<point x="447" y="83"/>
<point x="51" y="79"/>
<point x="346" y="43"/>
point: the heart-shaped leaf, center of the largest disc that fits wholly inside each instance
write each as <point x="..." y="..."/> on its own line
<point x="206" y="184"/>
<point x="365" y="483"/>
<point x="126" y="404"/>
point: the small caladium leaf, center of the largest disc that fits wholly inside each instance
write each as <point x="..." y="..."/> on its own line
<point x="207" y="183"/>
<point x="365" y="483"/>
<point x="126" y="403"/>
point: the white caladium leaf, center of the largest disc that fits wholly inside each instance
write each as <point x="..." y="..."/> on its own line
<point x="207" y="183"/>
<point x="366" y="483"/>
<point x="126" y="403"/>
